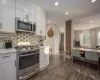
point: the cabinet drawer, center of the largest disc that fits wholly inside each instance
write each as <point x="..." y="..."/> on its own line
<point x="7" y="57"/>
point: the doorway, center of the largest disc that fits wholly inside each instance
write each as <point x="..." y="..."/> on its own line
<point x="61" y="43"/>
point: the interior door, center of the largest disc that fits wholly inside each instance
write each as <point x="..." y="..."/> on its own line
<point x="61" y="44"/>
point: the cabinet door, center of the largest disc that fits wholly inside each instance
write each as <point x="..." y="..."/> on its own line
<point x="40" y="21"/>
<point x="31" y="8"/>
<point x="31" y="18"/>
<point x="46" y="57"/>
<point x="8" y="71"/>
<point x="1" y="8"/>
<point x="21" y="14"/>
<point x="76" y="53"/>
<point x="42" y="59"/>
<point x="46" y="53"/>
<point x="7" y="18"/>
<point x="21" y="4"/>
<point x="9" y="2"/>
<point x="91" y="56"/>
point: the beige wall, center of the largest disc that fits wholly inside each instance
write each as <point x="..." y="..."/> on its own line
<point x="53" y="42"/>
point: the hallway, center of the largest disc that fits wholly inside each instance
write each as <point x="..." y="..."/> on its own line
<point x="66" y="70"/>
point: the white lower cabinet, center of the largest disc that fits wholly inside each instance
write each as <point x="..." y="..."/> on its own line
<point x="44" y="57"/>
<point x="7" y="67"/>
<point x="8" y="71"/>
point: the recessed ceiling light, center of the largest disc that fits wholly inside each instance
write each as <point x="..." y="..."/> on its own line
<point x="91" y="21"/>
<point x="66" y="13"/>
<point x="56" y="3"/>
<point x="49" y="21"/>
<point x="93" y="0"/>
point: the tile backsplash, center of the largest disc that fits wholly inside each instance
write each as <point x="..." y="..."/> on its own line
<point x="19" y="38"/>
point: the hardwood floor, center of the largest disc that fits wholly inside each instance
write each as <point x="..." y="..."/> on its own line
<point x="66" y="70"/>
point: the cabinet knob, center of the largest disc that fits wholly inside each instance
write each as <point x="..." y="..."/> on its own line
<point x="27" y="17"/>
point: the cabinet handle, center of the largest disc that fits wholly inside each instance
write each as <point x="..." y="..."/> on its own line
<point x="45" y="55"/>
<point x="6" y="56"/>
<point x="0" y="25"/>
<point x="27" y="17"/>
<point x="41" y="32"/>
<point x="15" y="62"/>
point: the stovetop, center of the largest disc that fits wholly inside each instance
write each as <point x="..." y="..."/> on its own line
<point x="24" y="49"/>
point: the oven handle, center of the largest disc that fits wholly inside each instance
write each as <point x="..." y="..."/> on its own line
<point x="28" y="54"/>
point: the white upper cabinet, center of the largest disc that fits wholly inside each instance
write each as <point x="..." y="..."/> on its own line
<point x="31" y="8"/>
<point x="26" y="10"/>
<point x="24" y="16"/>
<point x="21" y="14"/>
<point x="9" y="2"/>
<point x="26" y="5"/>
<point x="7" y="18"/>
<point x="40" y="21"/>
<point x="31" y="18"/>
<point x="21" y="4"/>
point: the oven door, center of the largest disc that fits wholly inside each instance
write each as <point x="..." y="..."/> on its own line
<point x="28" y="62"/>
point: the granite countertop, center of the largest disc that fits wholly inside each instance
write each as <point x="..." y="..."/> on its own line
<point x="84" y="49"/>
<point x="5" y="51"/>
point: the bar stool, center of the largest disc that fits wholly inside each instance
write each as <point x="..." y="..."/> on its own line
<point x="98" y="61"/>
<point x="82" y="55"/>
<point x="68" y="57"/>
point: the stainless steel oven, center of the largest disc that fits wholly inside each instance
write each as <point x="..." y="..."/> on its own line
<point x="27" y="64"/>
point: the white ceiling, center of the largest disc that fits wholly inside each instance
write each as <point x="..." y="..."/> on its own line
<point x="86" y="23"/>
<point x="76" y="8"/>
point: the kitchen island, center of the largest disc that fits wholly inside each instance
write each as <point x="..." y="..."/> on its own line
<point x="90" y="55"/>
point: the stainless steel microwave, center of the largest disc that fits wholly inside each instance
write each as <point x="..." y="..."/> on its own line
<point x="25" y="26"/>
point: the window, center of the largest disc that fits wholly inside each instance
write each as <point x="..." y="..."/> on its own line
<point x="85" y="39"/>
